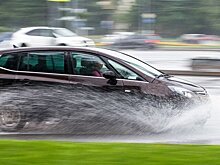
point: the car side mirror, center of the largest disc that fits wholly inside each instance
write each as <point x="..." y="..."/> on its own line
<point x="110" y="75"/>
<point x="53" y="35"/>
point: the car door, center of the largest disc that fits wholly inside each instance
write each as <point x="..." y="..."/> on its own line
<point x="128" y="81"/>
<point x="132" y="82"/>
<point x="85" y="76"/>
<point x="95" y="98"/>
<point x="41" y="82"/>
<point x="137" y="84"/>
<point x="41" y="37"/>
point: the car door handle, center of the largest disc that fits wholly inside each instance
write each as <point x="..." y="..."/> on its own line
<point x="25" y="81"/>
<point x="77" y="85"/>
<point x="127" y="91"/>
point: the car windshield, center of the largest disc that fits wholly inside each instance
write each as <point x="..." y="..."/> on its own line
<point x="5" y="36"/>
<point x="138" y="64"/>
<point x="64" y="32"/>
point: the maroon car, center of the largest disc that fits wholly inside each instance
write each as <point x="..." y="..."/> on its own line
<point x="100" y="70"/>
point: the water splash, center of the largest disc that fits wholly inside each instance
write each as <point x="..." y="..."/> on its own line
<point x="64" y="109"/>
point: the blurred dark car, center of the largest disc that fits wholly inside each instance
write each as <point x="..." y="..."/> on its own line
<point x="136" y="41"/>
<point x="205" y="63"/>
<point x="76" y="68"/>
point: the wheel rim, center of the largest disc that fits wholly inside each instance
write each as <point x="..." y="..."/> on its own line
<point x="10" y="118"/>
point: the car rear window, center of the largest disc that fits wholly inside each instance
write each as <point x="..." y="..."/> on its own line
<point x="9" y="61"/>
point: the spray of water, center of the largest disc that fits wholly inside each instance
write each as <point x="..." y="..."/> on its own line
<point x="64" y="110"/>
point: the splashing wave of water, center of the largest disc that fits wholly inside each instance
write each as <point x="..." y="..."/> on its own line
<point x="63" y="109"/>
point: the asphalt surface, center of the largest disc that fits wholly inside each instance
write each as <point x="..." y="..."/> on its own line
<point x="171" y="60"/>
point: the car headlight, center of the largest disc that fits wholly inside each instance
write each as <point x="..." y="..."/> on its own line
<point x="185" y="92"/>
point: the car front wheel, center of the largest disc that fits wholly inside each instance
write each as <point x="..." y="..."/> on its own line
<point x="23" y="45"/>
<point x="11" y="118"/>
<point x="62" y="44"/>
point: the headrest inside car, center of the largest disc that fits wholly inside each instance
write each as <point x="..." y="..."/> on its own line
<point x="85" y="62"/>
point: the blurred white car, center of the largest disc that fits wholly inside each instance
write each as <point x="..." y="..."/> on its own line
<point x="48" y="36"/>
<point x="111" y="38"/>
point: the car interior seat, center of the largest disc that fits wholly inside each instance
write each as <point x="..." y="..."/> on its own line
<point x="41" y="66"/>
<point x="10" y="63"/>
<point x="23" y="67"/>
<point x="86" y="68"/>
<point x="74" y="62"/>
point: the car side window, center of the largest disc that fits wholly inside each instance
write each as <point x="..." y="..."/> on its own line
<point x="50" y="62"/>
<point x="40" y="32"/>
<point x="46" y="33"/>
<point x="87" y="64"/>
<point x="35" y="32"/>
<point x="124" y="72"/>
<point x="9" y="61"/>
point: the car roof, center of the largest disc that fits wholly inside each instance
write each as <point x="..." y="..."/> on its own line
<point x="101" y="51"/>
<point x="27" y="29"/>
<point x="55" y="48"/>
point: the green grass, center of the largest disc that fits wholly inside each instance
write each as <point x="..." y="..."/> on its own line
<point x="69" y="153"/>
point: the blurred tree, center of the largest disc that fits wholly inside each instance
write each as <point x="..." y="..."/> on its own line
<point x="96" y="14"/>
<point x="176" y="17"/>
<point x="100" y="15"/>
<point x="21" y="13"/>
<point x="173" y="17"/>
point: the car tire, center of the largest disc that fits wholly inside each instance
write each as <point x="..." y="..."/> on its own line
<point x="62" y="45"/>
<point x="11" y="118"/>
<point x="23" y="45"/>
<point x="151" y="46"/>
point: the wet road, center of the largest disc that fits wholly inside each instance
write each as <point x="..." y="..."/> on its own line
<point x="209" y="134"/>
<point x="171" y="60"/>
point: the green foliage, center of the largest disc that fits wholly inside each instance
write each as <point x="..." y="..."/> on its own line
<point x="4" y="29"/>
<point x="186" y="16"/>
<point x="174" y="17"/>
<point x="68" y="153"/>
<point x="23" y="13"/>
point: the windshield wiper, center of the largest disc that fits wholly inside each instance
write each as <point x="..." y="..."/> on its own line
<point x="162" y="75"/>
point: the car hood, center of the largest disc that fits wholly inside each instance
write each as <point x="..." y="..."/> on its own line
<point x="183" y="83"/>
